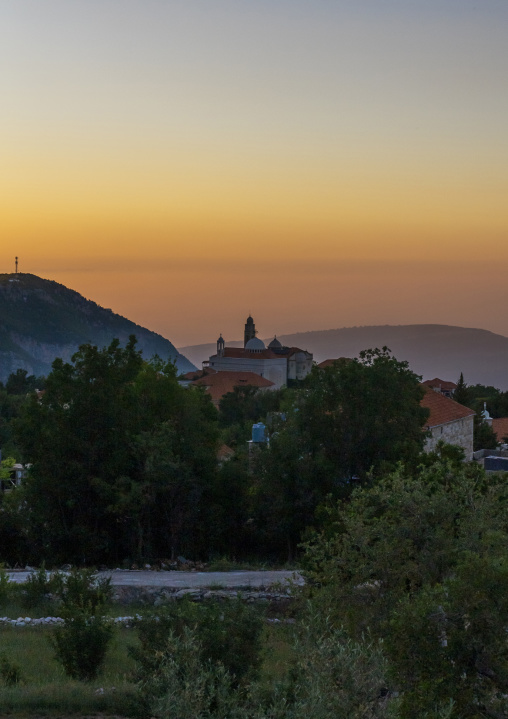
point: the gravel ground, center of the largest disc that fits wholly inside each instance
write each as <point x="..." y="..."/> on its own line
<point x="187" y="580"/>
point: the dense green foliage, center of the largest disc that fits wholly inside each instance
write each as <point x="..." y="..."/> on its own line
<point x="420" y="563"/>
<point x="10" y="407"/>
<point x="352" y="422"/>
<point x="328" y="675"/>
<point x="229" y="633"/>
<point x="476" y="395"/>
<point x="238" y="410"/>
<point x="121" y="459"/>
<point x="124" y="463"/>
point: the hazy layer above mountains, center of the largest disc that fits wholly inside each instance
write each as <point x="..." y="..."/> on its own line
<point x="41" y="320"/>
<point x="432" y="350"/>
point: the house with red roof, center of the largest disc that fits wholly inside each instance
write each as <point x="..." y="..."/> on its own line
<point x="217" y="384"/>
<point x="442" y="386"/>
<point x="332" y="362"/>
<point x="500" y="428"/>
<point x="448" y="421"/>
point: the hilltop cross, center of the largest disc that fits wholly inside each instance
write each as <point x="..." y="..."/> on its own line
<point x="16" y="265"/>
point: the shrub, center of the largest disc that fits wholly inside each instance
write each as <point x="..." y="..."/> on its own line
<point x="229" y="633"/>
<point x="38" y="588"/>
<point x="330" y="677"/>
<point x="185" y="686"/>
<point x="9" y="671"/>
<point x="81" y="589"/>
<point x="81" y="643"/>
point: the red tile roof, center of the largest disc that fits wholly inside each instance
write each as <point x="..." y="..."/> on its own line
<point x="441" y="383"/>
<point x="197" y="374"/>
<point x="330" y="362"/>
<point x="224" y="453"/>
<point x="442" y="409"/>
<point x="220" y="383"/>
<point x="500" y="427"/>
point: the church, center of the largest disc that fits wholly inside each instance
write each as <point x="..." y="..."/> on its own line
<point x="276" y="363"/>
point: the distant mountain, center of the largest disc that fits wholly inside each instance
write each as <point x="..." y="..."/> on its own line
<point x="41" y="320"/>
<point x="432" y="350"/>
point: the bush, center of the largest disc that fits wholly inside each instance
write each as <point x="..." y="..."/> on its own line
<point x="81" y="643"/>
<point x="81" y="589"/>
<point x="330" y="677"/>
<point x="38" y="588"/>
<point x="185" y="686"/>
<point x="229" y="633"/>
<point x="9" y="671"/>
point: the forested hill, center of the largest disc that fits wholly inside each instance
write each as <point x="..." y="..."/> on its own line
<point x="432" y="350"/>
<point x="41" y="320"/>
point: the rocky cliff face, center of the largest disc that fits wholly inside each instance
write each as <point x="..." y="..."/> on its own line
<point x="41" y="320"/>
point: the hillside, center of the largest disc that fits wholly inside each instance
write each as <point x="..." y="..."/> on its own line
<point x="41" y="320"/>
<point x="431" y="350"/>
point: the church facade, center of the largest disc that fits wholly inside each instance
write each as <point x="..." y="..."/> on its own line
<point x="276" y="363"/>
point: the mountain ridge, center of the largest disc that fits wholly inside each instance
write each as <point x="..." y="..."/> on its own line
<point x="432" y="350"/>
<point x="43" y="319"/>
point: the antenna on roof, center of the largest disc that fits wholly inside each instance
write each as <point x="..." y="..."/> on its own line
<point x="16" y="265"/>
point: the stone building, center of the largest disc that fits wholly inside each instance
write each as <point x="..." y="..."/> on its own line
<point x="276" y="362"/>
<point x="448" y="421"/>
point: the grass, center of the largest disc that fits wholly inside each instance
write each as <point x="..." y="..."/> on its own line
<point x="45" y="689"/>
<point x="278" y="652"/>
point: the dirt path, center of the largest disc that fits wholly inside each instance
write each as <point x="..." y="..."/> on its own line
<point x="188" y="580"/>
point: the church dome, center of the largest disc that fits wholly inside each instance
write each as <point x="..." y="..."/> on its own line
<point x="255" y="345"/>
<point x="275" y="344"/>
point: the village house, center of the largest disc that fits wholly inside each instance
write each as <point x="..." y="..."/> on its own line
<point x="442" y="386"/>
<point x="217" y="384"/>
<point x="448" y="422"/>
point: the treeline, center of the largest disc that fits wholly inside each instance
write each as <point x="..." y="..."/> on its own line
<point x="125" y="463"/>
<point x="476" y="395"/>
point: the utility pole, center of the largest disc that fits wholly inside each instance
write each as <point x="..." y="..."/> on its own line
<point x="16" y="265"/>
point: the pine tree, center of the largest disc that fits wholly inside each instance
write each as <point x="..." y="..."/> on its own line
<point x="461" y="394"/>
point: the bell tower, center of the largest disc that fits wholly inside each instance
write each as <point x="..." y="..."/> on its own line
<point x="220" y="346"/>
<point x="250" y="330"/>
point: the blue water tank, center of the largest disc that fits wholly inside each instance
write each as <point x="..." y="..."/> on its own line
<point x="258" y="432"/>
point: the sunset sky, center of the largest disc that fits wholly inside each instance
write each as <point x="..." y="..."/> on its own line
<point x="318" y="163"/>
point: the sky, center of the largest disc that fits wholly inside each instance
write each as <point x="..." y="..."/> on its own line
<point x="317" y="163"/>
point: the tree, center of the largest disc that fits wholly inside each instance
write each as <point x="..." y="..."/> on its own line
<point x="461" y="394"/>
<point x="110" y="441"/>
<point x="245" y="405"/>
<point x="352" y="421"/>
<point x="20" y="382"/>
<point x="419" y="562"/>
<point x="484" y="436"/>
